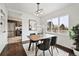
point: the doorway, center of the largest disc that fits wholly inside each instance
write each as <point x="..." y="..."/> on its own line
<point x="14" y="31"/>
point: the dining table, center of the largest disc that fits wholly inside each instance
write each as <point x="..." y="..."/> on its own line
<point x="37" y="38"/>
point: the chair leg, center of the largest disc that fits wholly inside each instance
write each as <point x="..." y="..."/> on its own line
<point x="50" y="53"/>
<point x="43" y="53"/>
<point x="51" y="50"/>
<point x="36" y="50"/>
<point x="33" y="47"/>
<point x="29" y="46"/>
<point x="57" y="50"/>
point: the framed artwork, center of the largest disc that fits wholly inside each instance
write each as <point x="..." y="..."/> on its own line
<point x="32" y="25"/>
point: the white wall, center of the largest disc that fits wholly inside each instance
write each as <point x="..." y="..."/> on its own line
<point x="73" y="12"/>
<point x="3" y="33"/>
<point x="25" y="25"/>
<point x="14" y="15"/>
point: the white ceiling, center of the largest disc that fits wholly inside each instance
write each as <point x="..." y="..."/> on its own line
<point x="31" y="7"/>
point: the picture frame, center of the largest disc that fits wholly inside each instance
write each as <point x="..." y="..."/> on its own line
<point x="32" y="25"/>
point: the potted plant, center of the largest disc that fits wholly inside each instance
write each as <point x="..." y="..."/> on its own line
<point x="74" y="34"/>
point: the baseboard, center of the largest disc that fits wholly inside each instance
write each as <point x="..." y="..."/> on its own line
<point x="24" y="42"/>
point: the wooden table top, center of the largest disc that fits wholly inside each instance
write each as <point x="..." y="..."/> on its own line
<point x="38" y="37"/>
<point x="34" y="37"/>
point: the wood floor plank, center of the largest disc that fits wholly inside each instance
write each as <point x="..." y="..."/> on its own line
<point x="14" y="49"/>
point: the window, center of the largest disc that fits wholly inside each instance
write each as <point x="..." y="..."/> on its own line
<point x="54" y="24"/>
<point x="49" y="25"/>
<point x="64" y="23"/>
<point x="60" y="24"/>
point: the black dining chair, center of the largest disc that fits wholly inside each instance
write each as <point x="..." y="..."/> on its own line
<point x="45" y="45"/>
<point x="31" y="41"/>
<point x="53" y="43"/>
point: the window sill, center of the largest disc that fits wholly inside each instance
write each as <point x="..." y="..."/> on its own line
<point x="59" y="33"/>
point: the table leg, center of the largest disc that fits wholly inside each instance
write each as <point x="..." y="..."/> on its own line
<point x="36" y="50"/>
<point x="29" y="46"/>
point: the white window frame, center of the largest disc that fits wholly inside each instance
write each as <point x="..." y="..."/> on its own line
<point x="58" y="22"/>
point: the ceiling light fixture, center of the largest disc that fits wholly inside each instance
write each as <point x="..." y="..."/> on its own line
<point x="38" y="11"/>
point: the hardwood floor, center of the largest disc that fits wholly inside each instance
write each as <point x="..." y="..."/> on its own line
<point x="14" y="49"/>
